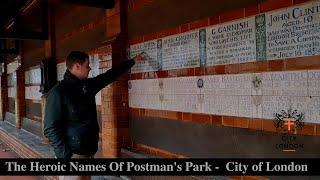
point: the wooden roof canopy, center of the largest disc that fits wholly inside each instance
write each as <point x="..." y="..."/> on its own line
<point x="28" y="19"/>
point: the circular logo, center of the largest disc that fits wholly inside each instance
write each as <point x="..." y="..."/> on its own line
<point x="200" y="83"/>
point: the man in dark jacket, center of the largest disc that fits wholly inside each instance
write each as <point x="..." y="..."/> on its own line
<point x="70" y="121"/>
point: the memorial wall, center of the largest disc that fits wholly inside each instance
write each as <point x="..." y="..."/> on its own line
<point x="276" y="35"/>
<point x="33" y="120"/>
<point x="12" y="84"/>
<point x="33" y="81"/>
<point x="12" y="81"/>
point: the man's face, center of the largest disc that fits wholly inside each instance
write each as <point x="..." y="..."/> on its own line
<point x="82" y="70"/>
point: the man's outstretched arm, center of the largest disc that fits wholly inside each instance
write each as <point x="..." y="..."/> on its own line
<point x="102" y="80"/>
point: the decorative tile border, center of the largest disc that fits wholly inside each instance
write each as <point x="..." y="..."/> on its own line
<point x="253" y="95"/>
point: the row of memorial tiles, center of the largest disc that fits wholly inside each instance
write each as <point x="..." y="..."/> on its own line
<point x="33" y="76"/>
<point x="228" y="44"/>
<point x="256" y="95"/>
<point x="284" y="83"/>
<point x="33" y="93"/>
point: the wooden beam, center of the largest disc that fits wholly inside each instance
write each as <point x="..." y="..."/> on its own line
<point x="24" y="35"/>
<point x="8" y="51"/>
<point x="106" y="4"/>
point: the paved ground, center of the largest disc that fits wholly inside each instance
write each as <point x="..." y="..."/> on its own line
<point x="6" y="152"/>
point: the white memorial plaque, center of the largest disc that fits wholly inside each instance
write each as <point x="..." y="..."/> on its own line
<point x="256" y="106"/>
<point x="94" y="65"/>
<point x="293" y="32"/>
<point x="232" y="95"/>
<point x="181" y="51"/>
<point x="12" y="92"/>
<point x="186" y="103"/>
<point x="314" y="83"/>
<point x="135" y="100"/>
<point x="266" y="83"/>
<point x="33" y="76"/>
<point x="211" y="104"/>
<point x="142" y="97"/>
<point x="236" y="84"/>
<point x="231" y="43"/>
<point x="167" y="103"/>
<point x="151" y="61"/>
<point x="28" y="93"/>
<point x="61" y="69"/>
<point x="246" y="106"/>
<point x="152" y="101"/>
<point x="32" y="92"/>
<point x="36" y="76"/>
<point x="290" y="83"/>
<point x="98" y="98"/>
<point x="212" y="85"/>
<point x="152" y="84"/>
<point x="184" y="85"/>
<point x="229" y="105"/>
<point x="27" y="77"/>
<point x="275" y="104"/>
<point x="269" y="106"/>
<point x="314" y="110"/>
<point x="12" y="67"/>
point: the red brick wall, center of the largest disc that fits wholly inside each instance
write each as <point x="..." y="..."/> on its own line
<point x="149" y="16"/>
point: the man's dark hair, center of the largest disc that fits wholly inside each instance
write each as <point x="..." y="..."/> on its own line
<point x="76" y="57"/>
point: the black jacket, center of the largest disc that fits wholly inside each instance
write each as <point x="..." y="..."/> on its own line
<point x="70" y="121"/>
